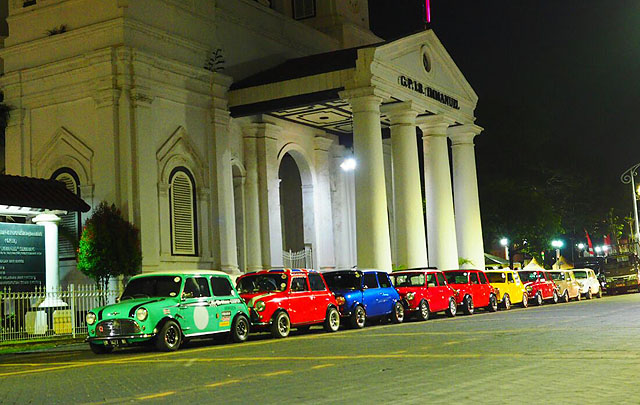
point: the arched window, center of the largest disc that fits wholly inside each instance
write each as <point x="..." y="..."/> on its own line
<point x="70" y="224"/>
<point x="182" y="206"/>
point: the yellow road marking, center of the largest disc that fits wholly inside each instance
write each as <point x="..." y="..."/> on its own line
<point x="319" y="366"/>
<point x="275" y="373"/>
<point x="399" y="352"/>
<point x="152" y="396"/>
<point x="221" y="383"/>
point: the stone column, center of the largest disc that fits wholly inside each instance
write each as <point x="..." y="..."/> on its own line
<point x="223" y="184"/>
<point x="465" y="192"/>
<point x="325" y="258"/>
<point x="372" y="222"/>
<point x="52" y="276"/>
<point x="441" y="229"/>
<point x="252" y="204"/>
<point x="409" y="222"/>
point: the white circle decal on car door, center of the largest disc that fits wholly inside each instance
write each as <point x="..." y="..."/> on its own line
<point x="201" y="317"/>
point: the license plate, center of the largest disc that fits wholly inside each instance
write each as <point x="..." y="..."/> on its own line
<point x="121" y="342"/>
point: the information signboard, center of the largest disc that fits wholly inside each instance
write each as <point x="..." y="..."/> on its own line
<point x="22" y="259"/>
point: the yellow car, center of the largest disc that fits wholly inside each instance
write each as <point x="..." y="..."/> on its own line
<point x="509" y="288"/>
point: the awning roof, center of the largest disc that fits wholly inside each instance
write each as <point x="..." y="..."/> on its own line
<point x="17" y="191"/>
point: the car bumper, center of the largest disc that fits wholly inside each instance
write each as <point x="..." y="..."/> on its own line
<point x="120" y="340"/>
<point x="628" y="283"/>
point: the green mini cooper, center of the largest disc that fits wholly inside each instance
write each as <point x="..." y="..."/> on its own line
<point x="165" y="308"/>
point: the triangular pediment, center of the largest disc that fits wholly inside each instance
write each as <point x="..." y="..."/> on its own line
<point x="405" y="56"/>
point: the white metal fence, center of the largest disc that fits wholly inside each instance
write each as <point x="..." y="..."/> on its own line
<point x="302" y="259"/>
<point x="39" y="314"/>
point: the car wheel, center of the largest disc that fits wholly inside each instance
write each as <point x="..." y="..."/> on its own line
<point x="397" y="315"/>
<point x="493" y="303"/>
<point x="555" y="297"/>
<point x="169" y="337"/>
<point x="453" y="308"/>
<point x="332" y="321"/>
<point x="423" y="311"/>
<point x="565" y="296"/>
<point x="525" y="300"/>
<point x="281" y="325"/>
<point x="100" y="349"/>
<point x="240" y="329"/>
<point x="588" y="295"/>
<point x="599" y="293"/>
<point x="467" y="305"/>
<point x="507" y="302"/>
<point x="539" y="299"/>
<point x="358" y="318"/>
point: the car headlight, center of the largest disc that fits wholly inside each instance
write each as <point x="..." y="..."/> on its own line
<point x="141" y="314"/>
<point x="410" y="296"/>
<point x="259" y="306"/>
<point x="91" y="318"/>
<point x="529" y="288"/>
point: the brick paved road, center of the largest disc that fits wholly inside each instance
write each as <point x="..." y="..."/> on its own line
<point x="581" y="352"/>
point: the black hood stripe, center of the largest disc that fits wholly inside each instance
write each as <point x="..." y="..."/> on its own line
<point x="135" y="307"/>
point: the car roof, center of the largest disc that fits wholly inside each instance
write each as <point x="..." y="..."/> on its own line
<point x="282" y="270"/>
<point x="181" y="272"/>
<point x="499" y="270"/>
<point x="423" y="270"/>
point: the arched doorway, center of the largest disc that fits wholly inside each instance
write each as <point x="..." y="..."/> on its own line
<point x="297" y="208"/>
<point x="239" y="209"/>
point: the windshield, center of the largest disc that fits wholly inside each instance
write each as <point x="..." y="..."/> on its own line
<point x="619" y="266"/>
<point x="457" y="277"/>
<point x="153" y="286"/>
<point x="527" y="276"/>
<point x="412" y="279"/>
<point x="496" y="277"/>
<point x="557" y="276"/>
<point x="343" y="280"/>
<point x="263" y="283"/>
<point x="580" y="274"/>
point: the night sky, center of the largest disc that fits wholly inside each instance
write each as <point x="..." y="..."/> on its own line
<point x="557" y="80"/>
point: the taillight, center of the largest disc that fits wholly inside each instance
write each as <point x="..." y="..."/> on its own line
<point x="340" y="300"/>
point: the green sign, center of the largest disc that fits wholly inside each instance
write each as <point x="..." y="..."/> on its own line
<point x="22" y="265"/>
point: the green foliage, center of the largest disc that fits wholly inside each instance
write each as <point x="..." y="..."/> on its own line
<point x="109" y="246"/>
<point x="399" y="267"/>
<point x="462" y="261"/>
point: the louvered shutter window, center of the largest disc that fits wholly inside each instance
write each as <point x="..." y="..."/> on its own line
<point x="69" y="223"/>
<point x="304" y="9"/>
<point x="183" y="214"/>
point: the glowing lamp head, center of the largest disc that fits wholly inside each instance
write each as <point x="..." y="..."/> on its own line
<point x="348" y="164"/>
<point x="557" y="244"/>
<point x="504" y="241"/>
<point x="598" y="249"/>
<point x="581" y="246"/>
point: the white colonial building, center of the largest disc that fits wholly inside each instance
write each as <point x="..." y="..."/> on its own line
<point x="220" y="128"/>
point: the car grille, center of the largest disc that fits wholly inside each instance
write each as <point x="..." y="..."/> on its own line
<point x="117" y="327"/>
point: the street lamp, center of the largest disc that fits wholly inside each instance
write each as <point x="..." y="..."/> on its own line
<point x="628" y="178"/>
<point x="505" y="242"/>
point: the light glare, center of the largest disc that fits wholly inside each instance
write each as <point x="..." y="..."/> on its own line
<point x="348" y="165"/>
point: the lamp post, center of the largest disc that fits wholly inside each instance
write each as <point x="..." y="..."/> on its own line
<point x="581" y="249"/>
<point x="505" y="242"/>
<point x="557" y="244"/>
<point x="628" y="178"/>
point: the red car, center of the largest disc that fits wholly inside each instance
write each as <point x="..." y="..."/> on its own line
<point x="472" y="290"/>
<point x="424" y="292"/>
<point x="281" y="299"/>
<point x="539" y="285"/>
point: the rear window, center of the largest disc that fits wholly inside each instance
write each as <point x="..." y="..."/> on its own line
<point x="221" y="287"/>
<point x="316" y="282"/>
<point x="441" y="280"/>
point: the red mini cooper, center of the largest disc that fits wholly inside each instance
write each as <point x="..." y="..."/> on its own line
<point x="424" y="292"/>
<point x="281" y="299"/>
<point x="472" y="290"/>
<point x="539" y="285"/>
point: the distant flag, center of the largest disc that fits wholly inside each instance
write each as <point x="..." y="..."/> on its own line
<point x="427" y="9"/>
<point x="607" y="240"/>
<point x="589" y="242"/>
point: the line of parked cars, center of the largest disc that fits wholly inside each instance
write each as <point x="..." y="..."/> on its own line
<point x="169" y="308"/>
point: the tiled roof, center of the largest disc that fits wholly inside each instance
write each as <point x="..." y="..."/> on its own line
<point x="32" y="192"/>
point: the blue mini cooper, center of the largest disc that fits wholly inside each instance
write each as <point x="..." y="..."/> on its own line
<point x="364" y="294"/>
